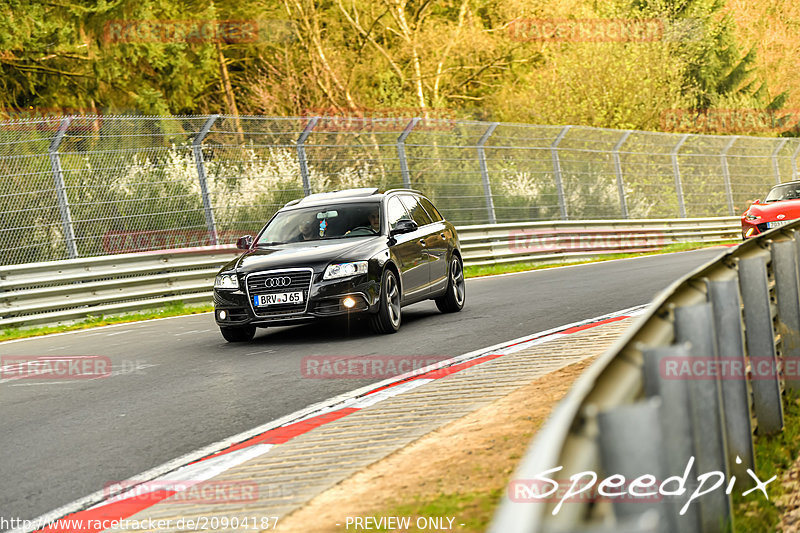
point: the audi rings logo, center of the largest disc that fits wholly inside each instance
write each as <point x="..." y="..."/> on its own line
<point x="282" y="281"/>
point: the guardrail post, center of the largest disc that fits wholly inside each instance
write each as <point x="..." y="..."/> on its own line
<point x="301" y="155"/>
<point x="487" y="186"/>
<point x="623" y="203"/>
<point x="677" y="173"/>
<point x="760" y="341"/>
<point x="794" y="161"/>
<point x="401" y="151"/>
<point x="61" y="189"/>
<point x="775" y="167"/>
<point x="694" y="324"/>
<point x="557" y="171"/>
<point x="724" y="298"/>
<point x="787" y="286"/>
<point x="630" y="442"/>
<point x="675" y="421"/>
<point x="726" y="176"/>
<point x="197" y="150"/>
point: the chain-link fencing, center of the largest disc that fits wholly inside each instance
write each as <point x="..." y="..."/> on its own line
<point x="81" y="186"/>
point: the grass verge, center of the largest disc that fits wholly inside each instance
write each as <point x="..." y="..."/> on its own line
<point x="775" y="454"/>
<point x="179" y="309"/>
<point x="176" y="309"/>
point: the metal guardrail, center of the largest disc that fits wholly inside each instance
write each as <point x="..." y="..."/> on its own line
<point x="732" y="327"/>
<point x="57" y="291"/>
<point x="574" y="240"/>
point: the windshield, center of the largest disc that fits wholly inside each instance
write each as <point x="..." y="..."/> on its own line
<point x="336" y="221"/>
<point x="790" y="191"/>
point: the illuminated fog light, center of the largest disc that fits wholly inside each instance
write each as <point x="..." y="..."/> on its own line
<point x="223" y="315"/>
<point x="348" y="302"/>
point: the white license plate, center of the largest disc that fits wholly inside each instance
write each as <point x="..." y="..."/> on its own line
<point x="261" y="300"/>
<point x="778" y="223"/>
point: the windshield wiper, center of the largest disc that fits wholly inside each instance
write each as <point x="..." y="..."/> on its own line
<point x="271" y="243"/>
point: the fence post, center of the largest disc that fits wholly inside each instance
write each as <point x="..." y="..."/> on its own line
<point x="726" y="176"/>
<point x="677" y="172"/>
<point x="301" y="154"/>
<point x="631" y="444"/>
<point x="695" y="324"/>
<point x="775" y="166"/>
<point x="197" y="150"/>
<point x="787" y="287"/>
<point x="675" y="421"/>
<point x="487" y="187"/>
<point x="760" y="340"/>
<point x="794" y="161"/>
<point x="557" y="171"/>
<point x="401" y="151"/>
<point x="726" y="304"/>
<point x="618" y="170"/>
<point x="61" y="189"/>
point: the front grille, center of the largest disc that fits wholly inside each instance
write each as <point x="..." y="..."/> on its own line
<point x="300" y="281"/>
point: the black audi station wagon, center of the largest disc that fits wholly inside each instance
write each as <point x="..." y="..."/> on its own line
<point x="356" y="251"/>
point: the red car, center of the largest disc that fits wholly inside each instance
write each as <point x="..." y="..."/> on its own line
<point x="781" y="206"/>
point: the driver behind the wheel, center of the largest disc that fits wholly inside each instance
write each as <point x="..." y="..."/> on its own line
<point x="373" y="222"/>
<point x="374" y="218"/>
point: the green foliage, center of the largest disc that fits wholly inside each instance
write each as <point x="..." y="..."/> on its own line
<point x="346" y="56"/>
<point x="714" y="71"/>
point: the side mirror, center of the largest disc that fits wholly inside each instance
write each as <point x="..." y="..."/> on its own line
<point x="756" y="201"/>
<point x="245" y="243"/>
<point x="404" y="226"/>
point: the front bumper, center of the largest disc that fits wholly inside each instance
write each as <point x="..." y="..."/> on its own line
<point x="324" y="300"/>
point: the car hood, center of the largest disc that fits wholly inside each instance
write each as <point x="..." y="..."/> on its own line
<point x="790" y="209"/>
<point x="314" y="254"/>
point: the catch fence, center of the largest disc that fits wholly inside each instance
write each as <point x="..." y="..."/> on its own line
<point x="81" y="186"/>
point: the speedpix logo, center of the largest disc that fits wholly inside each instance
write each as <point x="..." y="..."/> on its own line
<point x="70" y="367"/>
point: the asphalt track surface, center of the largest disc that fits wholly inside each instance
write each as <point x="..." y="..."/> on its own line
<point x="177" y="386"/>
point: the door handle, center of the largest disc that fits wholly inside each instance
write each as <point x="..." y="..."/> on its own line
<point x="443" y="236"/>
<point x="422" y="242"/>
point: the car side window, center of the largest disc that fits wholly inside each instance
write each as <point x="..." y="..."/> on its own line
<point x="418" y="213"/>
<point x="395" y="212"/>
<point x="431" y="209"/>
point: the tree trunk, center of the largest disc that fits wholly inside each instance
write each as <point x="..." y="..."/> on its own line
<point x="230" y="99"/>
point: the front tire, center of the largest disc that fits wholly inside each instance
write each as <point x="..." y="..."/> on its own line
<point x="456" y="294"/>
<point x="388" y="317"/>
<point x="238" y="334"/>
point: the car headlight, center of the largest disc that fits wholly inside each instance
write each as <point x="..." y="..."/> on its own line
<point x="748" y="216"/>
<point x="344" y="270"/>
<point x="226" y="281"/>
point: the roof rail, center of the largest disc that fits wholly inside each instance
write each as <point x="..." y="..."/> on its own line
<point x="343" y="193"/>
<point x="403" y="190"/>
